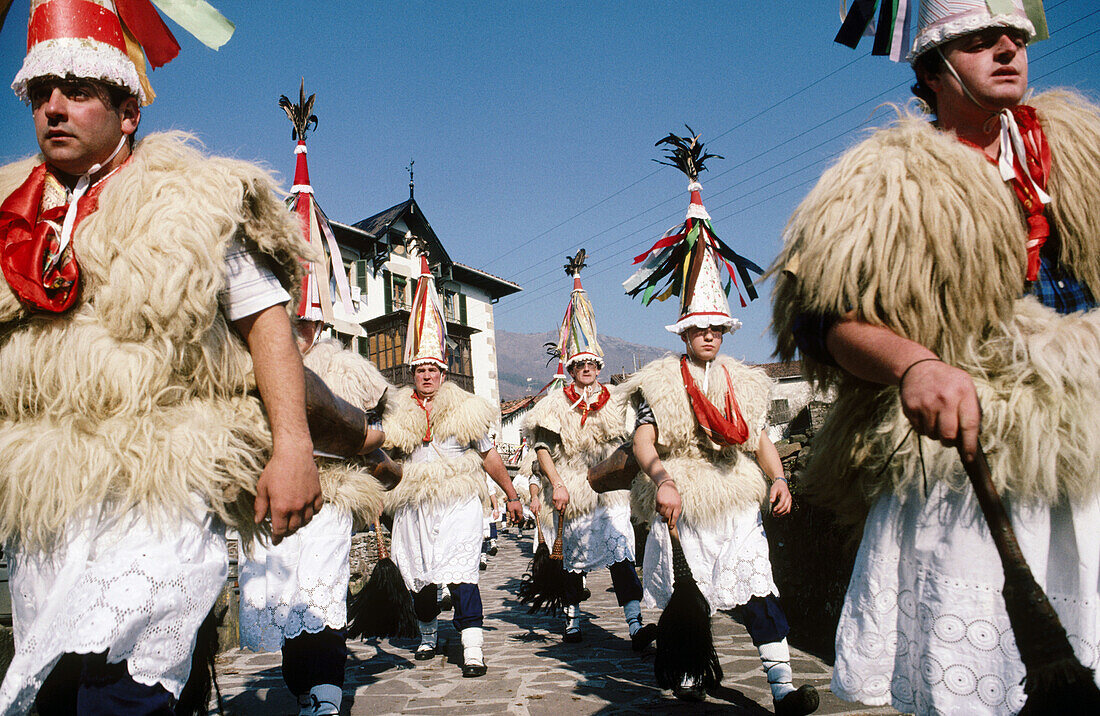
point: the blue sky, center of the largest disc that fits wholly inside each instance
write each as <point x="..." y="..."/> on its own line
<point x="532" y="124"/>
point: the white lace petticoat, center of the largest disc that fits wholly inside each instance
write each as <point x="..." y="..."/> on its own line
<point x="299" y="585"/>
<point x="136" y="587"/>
<point x="594" y="540"/>
<point x="729" y="560"/>
<point x="924" y="626"/>
<point x="438" y="543"/>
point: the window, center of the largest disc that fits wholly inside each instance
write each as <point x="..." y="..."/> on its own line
<point x="361" y="269"/>
<point x="399" y="291"/>
<point x="386" y="349"/>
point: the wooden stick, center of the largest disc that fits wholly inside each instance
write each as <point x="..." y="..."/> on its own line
<point x="557" y="552"/>
<point x="380" y="542"/>
<point x="1053" y="670"/>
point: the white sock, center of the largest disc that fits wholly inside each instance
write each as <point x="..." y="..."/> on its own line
<point x="325" y="699"/>
<point x="633" y="612"/>
<point x="428" y="634"/>
<point x="776" y="658"/>
<point x="472" y="641"/>
<point x="572" y="617"/>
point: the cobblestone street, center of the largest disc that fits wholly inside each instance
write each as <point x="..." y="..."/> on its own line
<point x="530" y="670"/>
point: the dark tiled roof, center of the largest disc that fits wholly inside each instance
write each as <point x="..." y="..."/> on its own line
<point x="785" y="369"/>
<point x="376" y="225"/>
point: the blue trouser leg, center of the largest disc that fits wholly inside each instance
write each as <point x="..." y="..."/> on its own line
<point x="493" y="530"/>
<point x="467" y="606"/>
<point x="625" y="581"/>
<point x="313" y="659"/>
<point x="86" y="685"/>
<point x="764" y="619"/>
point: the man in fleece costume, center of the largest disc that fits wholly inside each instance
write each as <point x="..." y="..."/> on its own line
<point x="574" y="427"/>
<point x="442" y="434"/>
<point x="143" y="303"/>
<point x="701" y="440"/>
<point x="941" y="277"/>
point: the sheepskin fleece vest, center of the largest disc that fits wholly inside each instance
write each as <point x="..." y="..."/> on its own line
<point x="139" y="395"/>
<point x="917" y="232"/>
<point x="575" y="447"/>
<point x="347" y="483"/>
<point x="711" y="481"/>
<point x="455" y="414"/>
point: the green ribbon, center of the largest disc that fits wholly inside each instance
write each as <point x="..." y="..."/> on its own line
<point x="1038" y="17"/>
<point x="200" y="19"/>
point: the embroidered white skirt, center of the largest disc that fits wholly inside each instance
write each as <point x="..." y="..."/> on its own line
<point x="595" y="540"/>
<point x="136" y="587"/>
<point x="729" y="560"/>
<point x="300" y="584"/>
<point x="924" y="626"/>
<point x="438" y="543"/>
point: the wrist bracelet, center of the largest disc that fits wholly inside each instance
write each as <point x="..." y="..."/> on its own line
<point x="781" y="477"/>
<point x="513" y="499"/>
<point x="901" y="380"/>
<point x="667" y="479"/>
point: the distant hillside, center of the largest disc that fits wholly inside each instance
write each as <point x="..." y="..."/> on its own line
<point x="521" y="356"/>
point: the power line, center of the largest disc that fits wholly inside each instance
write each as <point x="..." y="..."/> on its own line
<point x="656" y="171"/>
<point x="534" y="292"/>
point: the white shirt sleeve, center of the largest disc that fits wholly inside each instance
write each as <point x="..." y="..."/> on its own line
<point x="483" y="444"/>
<point x="250" y="286"/>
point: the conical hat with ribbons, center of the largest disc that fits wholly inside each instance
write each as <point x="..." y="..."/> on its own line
<point x="578" y="341"/>
<point x="110" y="40"/>
<point x="426" y="337"/>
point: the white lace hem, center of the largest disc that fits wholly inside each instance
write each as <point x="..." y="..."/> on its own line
<point x="729" y="561"/>
<point x="438" y="543"/>
<point x="595" y="540"/>
<point x="299" y="585"/>
<point x="924" y="627"/>
<point x="132" y="589"/>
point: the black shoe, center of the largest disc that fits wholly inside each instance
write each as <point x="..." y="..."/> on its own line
<point x="446" y="604"/>
<point x="472" y="671"/>
<point x="642" y="638"/>
<point x="803" y="700"/>
<point x="424" y="654"/>
<point x="695" y="693"/>
<point x="586" y="593"/>
<point x="493" y="551"/>
<point x="573" y="636"/>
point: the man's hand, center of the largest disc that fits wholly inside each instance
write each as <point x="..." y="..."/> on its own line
<point x="290" y="490"/>
<point x="560" y="497"/>
<point x="779" y="497"/>
<point x="536" y="504"/>
<point x="515" y="511"/>
<point x="941" y="402"/>
<point x="668" y="502"/>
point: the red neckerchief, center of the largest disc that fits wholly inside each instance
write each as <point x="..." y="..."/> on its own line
<point x="29" y="243"/>
<point x="723" y="429"/>
<point x="427" y="416"/>
<point x="1038" y="167"/>
<point x="583" y="407"/>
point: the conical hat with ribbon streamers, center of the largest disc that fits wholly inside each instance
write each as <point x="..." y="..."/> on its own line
<point x="325" y="286"/>
<point x="426" y="337"/>
<point x="687" y="256"/>
<point x="110" y="40"/>
<point x="938" y="22"/>
<point x="707" y="305"/>
<point x="577" y="339"/>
